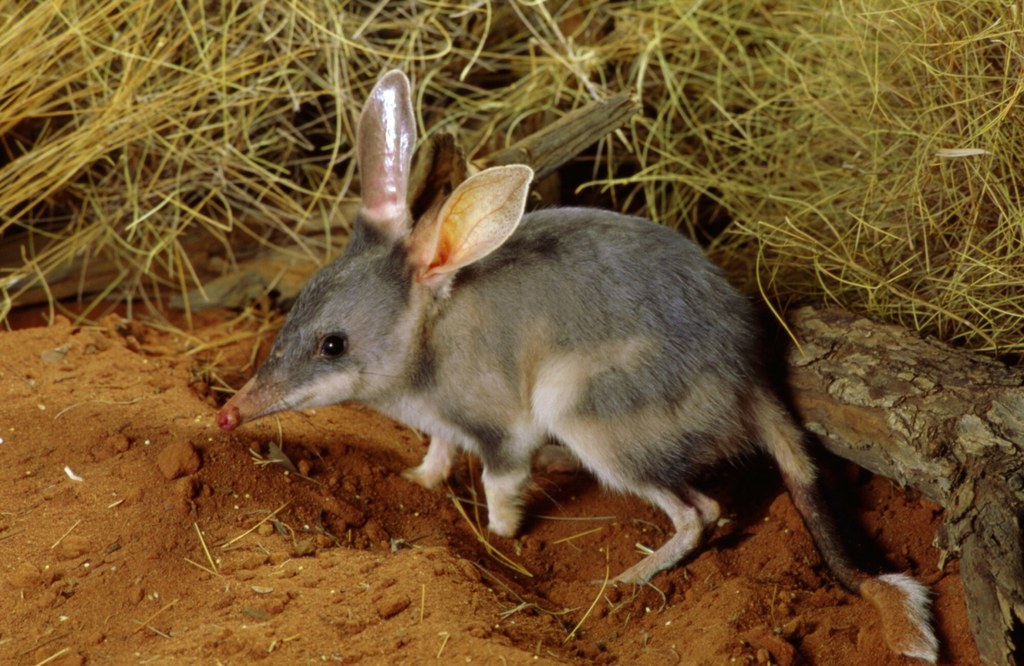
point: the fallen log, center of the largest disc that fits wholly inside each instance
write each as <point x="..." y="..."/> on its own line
<point x="943" y="420"/>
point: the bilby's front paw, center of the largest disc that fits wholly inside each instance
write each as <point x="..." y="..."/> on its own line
<point x="426" y="476"/>
<point x="436" y="466"/>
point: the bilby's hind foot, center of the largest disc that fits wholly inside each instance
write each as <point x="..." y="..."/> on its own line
<point x="690" y="519"/>
<point x="666" y="557"/>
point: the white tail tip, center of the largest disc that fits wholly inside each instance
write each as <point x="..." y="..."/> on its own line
<point x="905" y="608"/>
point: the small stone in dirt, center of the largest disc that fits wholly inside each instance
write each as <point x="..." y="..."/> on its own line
<point x="26" y="577"/>
<point x="390" y="605"/>
<point x="775" y="649"/>
<point x="73" y="546"/>
<point x="479" y="630"/>
<point x="185" y="489"/>
<point x="793" y="629"/>
<point x="377" y="534"/>
<point x="56" y="354"/>
<point x="303" y="548"/>
<point x="178" y="459"/>
<point x="134" y="495"/>
<point x="120" y="443"/>
<point x="255" y="614"/>
<point x="469" y="570"/>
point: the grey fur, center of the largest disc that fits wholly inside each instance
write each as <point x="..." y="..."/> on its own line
<point x="609" y="333"/>
<point x="610" y="279"/>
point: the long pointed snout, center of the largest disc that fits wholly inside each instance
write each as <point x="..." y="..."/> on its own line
<point x="252" y="401"/>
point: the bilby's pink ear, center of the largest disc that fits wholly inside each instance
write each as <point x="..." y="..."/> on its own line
<point x="473" y="221"/>
<point x="385" y="141"/>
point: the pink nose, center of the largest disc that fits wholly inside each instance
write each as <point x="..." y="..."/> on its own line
<point x="228" y="419"/>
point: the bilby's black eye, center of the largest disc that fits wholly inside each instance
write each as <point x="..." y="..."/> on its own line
<point x="334" y="345"/>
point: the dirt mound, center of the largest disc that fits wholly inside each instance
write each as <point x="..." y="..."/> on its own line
<point x="133" y="531"/>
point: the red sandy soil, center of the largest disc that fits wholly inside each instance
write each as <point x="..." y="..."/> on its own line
<point x="174" y="544"/>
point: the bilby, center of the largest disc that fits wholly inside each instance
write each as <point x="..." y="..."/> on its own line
<point x="493" y="331"/>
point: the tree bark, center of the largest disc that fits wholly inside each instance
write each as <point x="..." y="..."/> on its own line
<point x="943" y="420"/>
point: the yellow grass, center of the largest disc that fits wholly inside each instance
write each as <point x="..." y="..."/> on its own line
<point x="862" y="152"/>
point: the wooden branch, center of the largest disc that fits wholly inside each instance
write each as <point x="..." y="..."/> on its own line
<point x="940" y="419"/>
<point x="567" y="137"/>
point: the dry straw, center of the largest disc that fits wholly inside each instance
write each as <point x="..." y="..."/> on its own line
<point x="869" y="153"/>
<point x="857" y="152"/>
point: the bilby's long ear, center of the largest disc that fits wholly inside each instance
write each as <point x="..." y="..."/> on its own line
<point x="475" y="220"/>
<point x="385" y="142"/>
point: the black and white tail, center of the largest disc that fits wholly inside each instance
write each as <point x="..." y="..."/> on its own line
<point x="902" y="602"/>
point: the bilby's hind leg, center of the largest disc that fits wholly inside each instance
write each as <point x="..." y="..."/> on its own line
<point x="692" y="512"/>
<point x="556" y="459"/>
